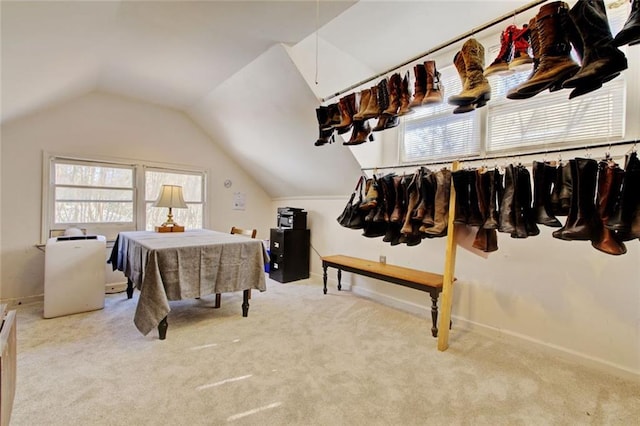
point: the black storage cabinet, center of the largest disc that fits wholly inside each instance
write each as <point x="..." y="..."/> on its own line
<point x="289" y="252"/>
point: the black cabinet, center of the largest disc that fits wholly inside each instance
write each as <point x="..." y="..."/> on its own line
<point x="289" y="251"/>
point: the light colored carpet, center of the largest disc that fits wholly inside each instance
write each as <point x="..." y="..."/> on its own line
<point x="300" y="358"/>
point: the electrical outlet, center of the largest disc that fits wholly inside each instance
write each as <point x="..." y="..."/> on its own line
<point x="383" y="259"/>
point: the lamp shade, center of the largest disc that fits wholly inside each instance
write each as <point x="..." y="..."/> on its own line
<point x="170" y="196"/>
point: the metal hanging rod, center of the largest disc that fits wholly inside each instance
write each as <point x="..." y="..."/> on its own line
<point x="440" y="47"/>
<point x="497" y="157"/>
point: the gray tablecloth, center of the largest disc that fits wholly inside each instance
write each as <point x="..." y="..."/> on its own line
<point x="195" y="263"/>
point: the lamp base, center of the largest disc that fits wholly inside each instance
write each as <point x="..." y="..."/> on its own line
<point x="173" y="228"/>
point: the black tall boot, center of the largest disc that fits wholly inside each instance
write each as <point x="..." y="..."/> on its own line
<point x="609" y="182"/>
<point x="630" y="33"/>
<point x="506" y="216"/>
<point x="580" y="222"/>
<point x="429" y="185"/>
<point x="543" y="177"/>
<point x="626" y="216"/>
<point x="601" y="59"/>
<point x="461" y="185"/>
<point x="494" y="184"/>
<point x="561" y="194"/>
<point x="324" y="125"/>
<point x="524" y="190"/>
<point x="475" y="216"/>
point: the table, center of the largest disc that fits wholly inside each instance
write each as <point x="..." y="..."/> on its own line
<point x="181" y="265"/>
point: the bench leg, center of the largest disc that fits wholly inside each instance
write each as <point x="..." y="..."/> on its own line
<point x="162" y="328"/>
<point x="339" y="279"/>
<point x="218" y="299"/>
<point x="245" y="303"/>
<point x="324" y="277"/>
<point x="434" y="313"/>
<point x="129" y="288"/>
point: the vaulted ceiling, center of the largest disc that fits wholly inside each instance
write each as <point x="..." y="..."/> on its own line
<point x="227" y="64"/>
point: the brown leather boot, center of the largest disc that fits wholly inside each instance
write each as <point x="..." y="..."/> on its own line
<point x="397" y="215"/>
<point x="347" y="106"/>
<point x="476" y="89"/>
<point x="373" y="107"/>
<point x="420" y="85"/>
<point x="413" y="197"/>
<point x="395" y="94"/>
<point x="555" y="63"/>
<point x="435" y="90"/>
<point x="441" y="205"/>
<point x="405" y="96"/>
<point x="365" y="97"/>
<point x="609" y="183"/>
<point x="361" y="132"/>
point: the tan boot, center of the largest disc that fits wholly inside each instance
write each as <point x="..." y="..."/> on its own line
<point x="405" y="98"/>
<point x="458" y="61"/>
<point x="435" y="90"/>
<point x="373" y="107"/>
<point x="347" y="106"/>
<point x="476" y="89"/>
<point x="365" y="97"/>
<point x="395" y="94"/>
<point x="441" y="212"/>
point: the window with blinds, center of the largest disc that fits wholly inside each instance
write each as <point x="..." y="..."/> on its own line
<point x="433" y="132"/>
<point x="547" y="119"/>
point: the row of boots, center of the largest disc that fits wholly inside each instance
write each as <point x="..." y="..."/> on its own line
<point x="406" y="209"/>
<point x="601" y="202"/>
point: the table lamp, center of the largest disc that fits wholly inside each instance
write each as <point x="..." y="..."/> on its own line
<point x="170" y="196"/>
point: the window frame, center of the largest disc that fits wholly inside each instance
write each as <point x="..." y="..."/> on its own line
<point x="50" y="228"/>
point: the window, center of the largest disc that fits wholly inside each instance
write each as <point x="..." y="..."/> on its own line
<point x="547" y="119"/>
<point x="434" y="132"/>
<point x="106" y="198"/>
<point x="192" y="189"/>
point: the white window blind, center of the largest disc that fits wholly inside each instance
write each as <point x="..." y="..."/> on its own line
<point x="433" y="132"/>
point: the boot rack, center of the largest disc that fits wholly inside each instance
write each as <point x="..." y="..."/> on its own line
<point x="439" y="47"/>
<point x="450" y="249"/>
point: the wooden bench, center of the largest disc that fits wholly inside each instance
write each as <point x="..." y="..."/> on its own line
<point x="413" y="278"/>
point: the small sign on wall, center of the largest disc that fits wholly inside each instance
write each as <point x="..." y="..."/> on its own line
<point x="239" y="200"/>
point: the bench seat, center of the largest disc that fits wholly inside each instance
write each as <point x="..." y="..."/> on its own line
<point x="407" y="277"/>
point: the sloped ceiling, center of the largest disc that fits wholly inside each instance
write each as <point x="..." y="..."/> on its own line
<point x="225" y="63"/>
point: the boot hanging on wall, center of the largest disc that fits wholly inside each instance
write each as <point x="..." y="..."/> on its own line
<point x="395" y="95"/>
<point x="458" y="61"/>
<point x="500" y="65"/>
<point x="405" y="97"/>
<point x="630" y="32"/>
<point x="326" y="130"/>
<point x="626" y="216"/>
<point x="347" y="106"/>
<point x="561" y="194"/>
<point x="552" y="50"/>
<point x="361" y="132"/>
<point x="544" y="175"/>
<point x="506" y="219"/>
<point x="383" y="104"/>
<point x="609" y="182"/>
<point x="461" y="185"/>
<point x="521" y="45"/>
<point x="601" y="60"/>
<point x="476" y="89"/>
<point x="441" y="204"/>
<point x="419" y="86"/>
<point x="434" y="89"/>
<point x="581" y="218"/>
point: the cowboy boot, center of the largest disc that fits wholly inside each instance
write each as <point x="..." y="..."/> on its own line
<point x="600" y="59"/>
<point x="555" y="64"/>
<point x="373" y="107"/>
<point x="365" y="97"/>
<point x="501" y="63"/>
<point x="405" y="96"/>
<point x="521" y="46"/>
<point x="461" y="186"/>
<point x="476" y="89"/>
<point x="581" y="220"/>
<point x="392" y="121"/>
<point x="630" y="32"/>
<point x="420" y="85"/>
<point x="429" y="187"/>
<point x="383" y="103"/>
<point x="441" y="204"/>
<point x="326" y="134"/>
<point x="458" y="61"/>
<point x="506" y="212"/>
<point x="395" y="93"/>
<point x="609" y="183"/>
<point x="627" y="206"/>
<point x="371" y="195"/>
<point x="420" y="209"/>
<point x="543" y="177"/>
<point x="397" y="215"/>
<point x="335" y="116"/>
<point x="347" y="110"/>
<point x="435" y="91"/>
<point x="361" y="131"/>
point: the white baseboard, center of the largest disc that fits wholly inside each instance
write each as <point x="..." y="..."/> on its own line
<point x="460" y="323"/>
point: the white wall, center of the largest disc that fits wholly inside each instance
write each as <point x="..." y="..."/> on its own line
<point x="101" y="125"/>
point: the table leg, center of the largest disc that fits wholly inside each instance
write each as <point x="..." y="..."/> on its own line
<point x="129" y="288"/>
<point x="434" y="313"/>
<point x="339" y="279"/>
<point x="162" y="328"/>
<point x="245" y="303"/>
<point x="324" y="277"/>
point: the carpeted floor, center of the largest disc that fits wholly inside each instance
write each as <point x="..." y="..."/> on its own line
<point x="300" y="358"/>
